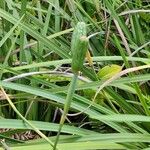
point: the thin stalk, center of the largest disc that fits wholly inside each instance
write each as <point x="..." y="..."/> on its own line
<point x="69" y="97"/>
<point x="24" y="119"/>
<point x="4" y="145"/>
<point x="22" y="58"/>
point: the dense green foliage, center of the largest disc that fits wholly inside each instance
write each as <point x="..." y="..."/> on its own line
<point x="35" y="73"/>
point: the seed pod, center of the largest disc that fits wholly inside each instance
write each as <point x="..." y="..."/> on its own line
<point x="79" y="30"/>
<point x="79" y="54"/>
<point x="79" y="45"/>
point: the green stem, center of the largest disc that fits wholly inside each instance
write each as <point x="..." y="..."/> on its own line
<point x="69" y="97"/>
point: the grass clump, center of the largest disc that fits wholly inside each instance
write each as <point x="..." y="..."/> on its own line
<point x="35" y="72"/>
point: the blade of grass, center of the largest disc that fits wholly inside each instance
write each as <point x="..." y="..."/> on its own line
<point x="68" y="61"/>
